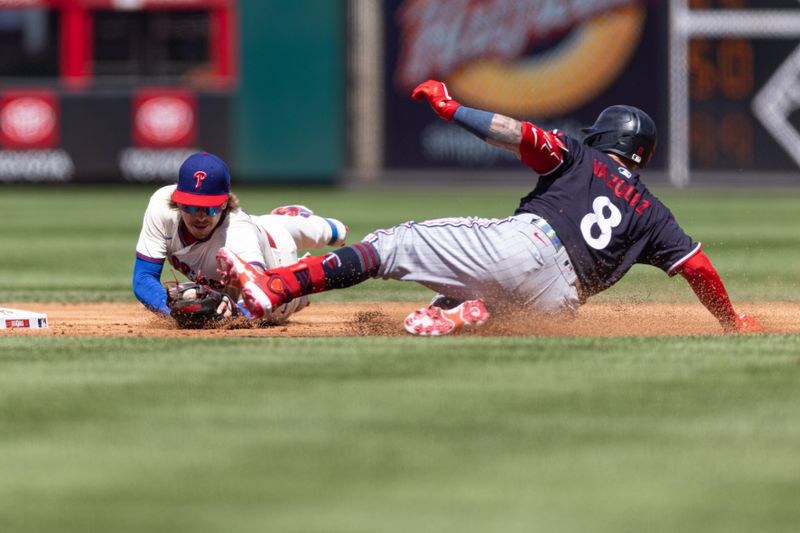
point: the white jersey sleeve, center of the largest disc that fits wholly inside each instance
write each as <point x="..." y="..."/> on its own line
<point x="158" y="226"/>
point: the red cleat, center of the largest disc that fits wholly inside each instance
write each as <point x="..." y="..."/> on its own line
<point x="747" y="324"/>
<point x="433" y="321"/>
<point x="260" y="292"/>
<point x="293" y="211"/>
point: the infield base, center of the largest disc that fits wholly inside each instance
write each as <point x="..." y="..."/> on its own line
<point x="19" y="319"/>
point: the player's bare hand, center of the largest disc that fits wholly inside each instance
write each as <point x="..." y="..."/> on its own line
<point x="438" y="97"/>
<point x="745" y="324"/>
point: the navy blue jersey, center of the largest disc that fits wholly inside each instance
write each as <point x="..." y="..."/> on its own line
<point x="606" y="218"/>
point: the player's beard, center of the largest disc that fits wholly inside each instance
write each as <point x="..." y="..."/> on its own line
<point x="200" y="225"/>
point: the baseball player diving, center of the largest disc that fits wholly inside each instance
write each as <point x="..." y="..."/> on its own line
<point x="586" y="223"/>
<point x="187" y="223"/>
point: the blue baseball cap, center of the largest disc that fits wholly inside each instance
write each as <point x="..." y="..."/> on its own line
<point x="203" y="180"/>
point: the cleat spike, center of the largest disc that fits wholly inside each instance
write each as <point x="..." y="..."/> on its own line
<point x="433" y="321"/>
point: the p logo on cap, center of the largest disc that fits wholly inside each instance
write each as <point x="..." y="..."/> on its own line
<point x="200" y="176"/>
<point x="203" y="181"/>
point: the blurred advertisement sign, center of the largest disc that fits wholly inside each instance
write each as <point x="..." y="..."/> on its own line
<point x="25" y="3"/>
<point x="555" y="63"/>
<point x="29" y="137"/>
<point x="131" y="5"/>
<point x="164" y="127"/>
<point x="28" y="120"/>
<point x="96" y="113"/>
<point x="164" y="119"/>
<point x="516" y="56"/>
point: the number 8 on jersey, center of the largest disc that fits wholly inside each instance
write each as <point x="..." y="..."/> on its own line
<point x="606" y="225"/>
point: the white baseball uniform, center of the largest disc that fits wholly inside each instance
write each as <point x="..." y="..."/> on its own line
<point x="267" y="240"/>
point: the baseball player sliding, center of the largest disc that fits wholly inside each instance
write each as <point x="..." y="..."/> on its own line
<point x="186" y="224"/>
<point x="586" y="223"/>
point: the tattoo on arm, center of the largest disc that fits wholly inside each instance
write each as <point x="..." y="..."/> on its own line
<point x="505" y="132"/>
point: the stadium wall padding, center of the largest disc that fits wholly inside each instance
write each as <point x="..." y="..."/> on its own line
<point x="290" y="107"/>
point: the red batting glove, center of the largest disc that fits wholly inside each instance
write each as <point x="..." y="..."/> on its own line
<point x="746" y="324"/>
<point x="438" y="97"/>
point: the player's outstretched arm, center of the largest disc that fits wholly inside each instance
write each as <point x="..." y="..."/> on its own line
<point x="147" y="285"/>
<point x="505" y="132"/>
<point x="708" y="286"/>
<point x="540" y="150"/>
<point x="493" y="128"/>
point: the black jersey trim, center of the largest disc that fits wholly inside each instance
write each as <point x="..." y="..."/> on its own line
<point x="682" y="260"/>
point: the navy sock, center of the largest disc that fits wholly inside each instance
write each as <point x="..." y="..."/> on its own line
<point x="350" y="265"/>
<point x="304" y="279"/>
<point x="345" y="267"/>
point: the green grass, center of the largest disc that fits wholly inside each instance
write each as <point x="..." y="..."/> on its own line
<point x="394" y="434"/>
<point x="695" y="434"/>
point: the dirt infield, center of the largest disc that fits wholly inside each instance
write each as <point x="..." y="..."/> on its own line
<point x="385" y="319"/>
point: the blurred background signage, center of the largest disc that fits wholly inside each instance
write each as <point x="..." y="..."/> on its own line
<point x="316" y="91"/>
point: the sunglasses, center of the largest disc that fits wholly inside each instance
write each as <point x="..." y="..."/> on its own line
<point x="193" y="209"/>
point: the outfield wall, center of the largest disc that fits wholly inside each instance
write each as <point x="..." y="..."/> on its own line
<point x="718" y="76"/>
<point x="318" y="91"/>
<point x="113" y="90"/>
<point x="290" y="107"/>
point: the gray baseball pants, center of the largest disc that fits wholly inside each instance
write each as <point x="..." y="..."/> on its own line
<point x="503" y="261"/>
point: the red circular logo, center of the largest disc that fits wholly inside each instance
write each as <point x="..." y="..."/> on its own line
<point x="164" y="119"/>
<point x="28" y="120"/>
<point x="276" y="284"/>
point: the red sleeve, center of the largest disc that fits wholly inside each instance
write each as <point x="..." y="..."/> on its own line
<point x="541" y="150"/>
<point x="707" y="285"/>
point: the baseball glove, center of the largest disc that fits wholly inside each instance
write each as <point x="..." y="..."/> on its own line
<point x="193" y="305"/>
